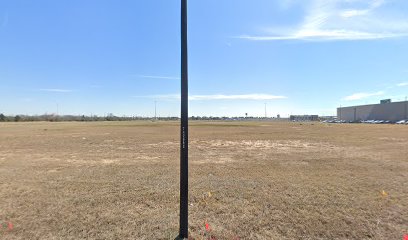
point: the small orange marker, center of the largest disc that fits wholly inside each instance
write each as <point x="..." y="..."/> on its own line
<point x="10" y="226"/>
<point x="384" y="193"/>
<point x="207" y="227"/>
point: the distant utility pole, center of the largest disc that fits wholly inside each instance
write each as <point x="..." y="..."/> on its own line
<point x="183" y="231"/>
<point x="57" y="110"/>
<point x="265" y="112"/>
<point x="155" y="110"/>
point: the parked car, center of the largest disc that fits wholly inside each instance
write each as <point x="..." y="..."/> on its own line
<point x="402" y="122"/>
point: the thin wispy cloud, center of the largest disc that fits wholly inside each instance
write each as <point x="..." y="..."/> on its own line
<point x="340" y="20"/>
<point x="374" y="4"/>
<point x="404" y="84"/>
<point x="360" y="96"/>
<point x="218" y="97"/>
<point x="56" y="90"/>
<point x="158" y="77"/>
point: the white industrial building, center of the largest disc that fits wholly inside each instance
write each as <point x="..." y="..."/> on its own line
<point x="386" y="110"/>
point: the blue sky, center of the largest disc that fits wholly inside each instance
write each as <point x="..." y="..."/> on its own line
<point x="298" y="57"/>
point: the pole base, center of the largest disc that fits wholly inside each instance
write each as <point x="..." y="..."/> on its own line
<point x="180" y="238"/>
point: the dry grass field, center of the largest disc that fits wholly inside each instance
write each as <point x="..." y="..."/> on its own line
<point x="257" y="180"/>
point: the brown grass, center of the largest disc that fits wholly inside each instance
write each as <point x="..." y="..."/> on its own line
<point x="247" y="181"/>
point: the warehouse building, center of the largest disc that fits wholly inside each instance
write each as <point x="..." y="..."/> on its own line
<point x="304" y="118"/>
<point x="386" y="110"/>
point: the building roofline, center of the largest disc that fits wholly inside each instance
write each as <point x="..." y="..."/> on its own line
<point x="372" y="104"/>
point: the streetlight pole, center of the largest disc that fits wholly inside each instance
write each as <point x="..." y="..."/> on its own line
<point x="183" y="233"/>
<point x="266" y="116"/>
<point x="155" y="110"/>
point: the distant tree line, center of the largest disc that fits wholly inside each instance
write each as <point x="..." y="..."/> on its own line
<point x="112" y="117"/>
<point x="205" y="118"/>
<point x="72" y="118"/>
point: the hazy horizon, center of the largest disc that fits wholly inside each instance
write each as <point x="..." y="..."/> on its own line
<point x="100" y="57"/>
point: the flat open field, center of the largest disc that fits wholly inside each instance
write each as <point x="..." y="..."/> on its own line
<point x="258" y="180"/>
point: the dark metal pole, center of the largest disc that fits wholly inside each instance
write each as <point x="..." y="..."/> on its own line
<point x="184" y="126"/>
